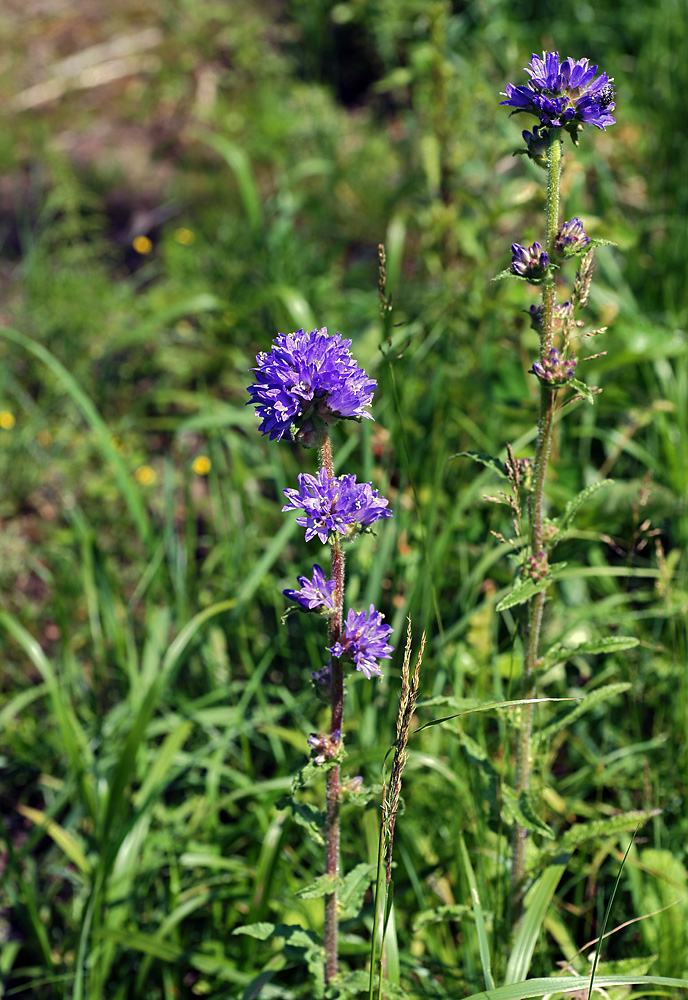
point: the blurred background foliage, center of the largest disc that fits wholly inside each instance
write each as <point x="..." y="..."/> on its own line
<point x="181" y="181"/>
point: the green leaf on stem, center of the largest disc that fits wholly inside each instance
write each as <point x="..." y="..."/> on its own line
<point x="609" y="644"/>
<point x="307" y="816"/>
<point x="324" y="885"/>
<point x="353" y="888"/>
<point x="581" y="832"/>
<point x="488" y="460"/>
<point x="525" y="589"/>
<point x="584" y="705"/>
<point x="584" y="390"/>
<point x="577" y="502"/>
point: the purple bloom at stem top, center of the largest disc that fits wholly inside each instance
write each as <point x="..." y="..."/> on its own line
<point x="563" y="93"/>
<point x="315" y="594"/>
<point x="307" y="382"/>
<point x="338" y="504"/>
<point x="364" y="640"/>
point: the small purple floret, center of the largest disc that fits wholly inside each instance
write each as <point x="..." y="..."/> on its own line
<point x="306" y="382"/>
<point x="315" y="594"/>
<point x="564" y="93"/>
<point x="554" y="370"/>
<point x="338" y="504"/>
<point x="571" y="238"/>
<point x="364" y="640"/>
<point x="529" y="262"/>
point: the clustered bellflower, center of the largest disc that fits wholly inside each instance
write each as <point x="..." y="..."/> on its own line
<point x="315" y="594"/>
<point x="364" y="640"/>
<point x="564" y="93"/>
<point x="307" y="382"/>
<point x="339" y="504"/>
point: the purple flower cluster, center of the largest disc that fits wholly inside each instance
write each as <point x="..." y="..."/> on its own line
<point x="554" y="370"/>
<point x="307" y="382"/>
<point x="339" y="504"/>
<point x="571" y="238"/>
<point x="563" y="93"/>
<point x="364" y="640"/>
<point x="529" y="262"/>
<point x="314" y="595"/>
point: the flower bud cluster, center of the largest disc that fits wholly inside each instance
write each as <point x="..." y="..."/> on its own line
<point x="554" y="370"/>
<point x="537" y="567"/>
<point x="571" y="238"/>
<point x="529" y="262"/>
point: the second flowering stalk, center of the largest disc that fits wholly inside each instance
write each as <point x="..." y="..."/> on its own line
<point x="306" y="384"/>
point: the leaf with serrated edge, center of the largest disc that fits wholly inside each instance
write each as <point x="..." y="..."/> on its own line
<point x="580" y="832"/>
<point x="609" y="644"/>
<point x="324" y="885"/>
<point x="354" y="887"/>
<point x="524" y="590"/>
<point x="573" y="505"/>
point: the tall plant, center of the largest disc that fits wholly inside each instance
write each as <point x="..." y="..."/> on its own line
<point x="564" y="95"/>
<point x="305" y="385"/>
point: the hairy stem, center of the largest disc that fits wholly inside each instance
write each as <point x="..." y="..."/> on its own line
<point x="542" y="453"/>
<point x="333" y="775"/>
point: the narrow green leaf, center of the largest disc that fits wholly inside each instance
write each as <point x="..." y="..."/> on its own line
<point x="74" y="740"/>
<point x="65" y="840"/>
<point x="577" y="502"/>
<point x="487" y="460"/>
<point x="608" y="911"/>
<point x="481" y="930"/>
<point x="567" y="984"/>
<point x="537" y="901"/>
<point x="131" y="494"/>
<point x="596" y="697"/>
<point x="236" y="159"/>
<point x="582" y="388"/>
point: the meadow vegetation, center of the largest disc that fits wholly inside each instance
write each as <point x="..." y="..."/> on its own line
<point x="158" y="229"/>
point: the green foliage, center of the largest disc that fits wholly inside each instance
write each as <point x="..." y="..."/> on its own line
<point x="154" y="709"/>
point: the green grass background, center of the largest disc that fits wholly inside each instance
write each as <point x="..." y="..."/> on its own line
<point x="153" y="707"/>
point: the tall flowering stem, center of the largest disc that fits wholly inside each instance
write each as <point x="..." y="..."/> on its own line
<point x="307" y="383"/>
<point x="333" y="775"/>
<point x="565" y="95"/>
<point x="542" y="453"/>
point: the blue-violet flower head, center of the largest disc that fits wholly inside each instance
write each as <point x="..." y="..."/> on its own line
<point x="571" y="238"/>
<point x="529" y="262"/>
<point x="564" y="93"/>
<point x="314" y="595"/>
<point x="364" y="640"/>
<point x="338" y="504"/>
<point x="307" y="382"/>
